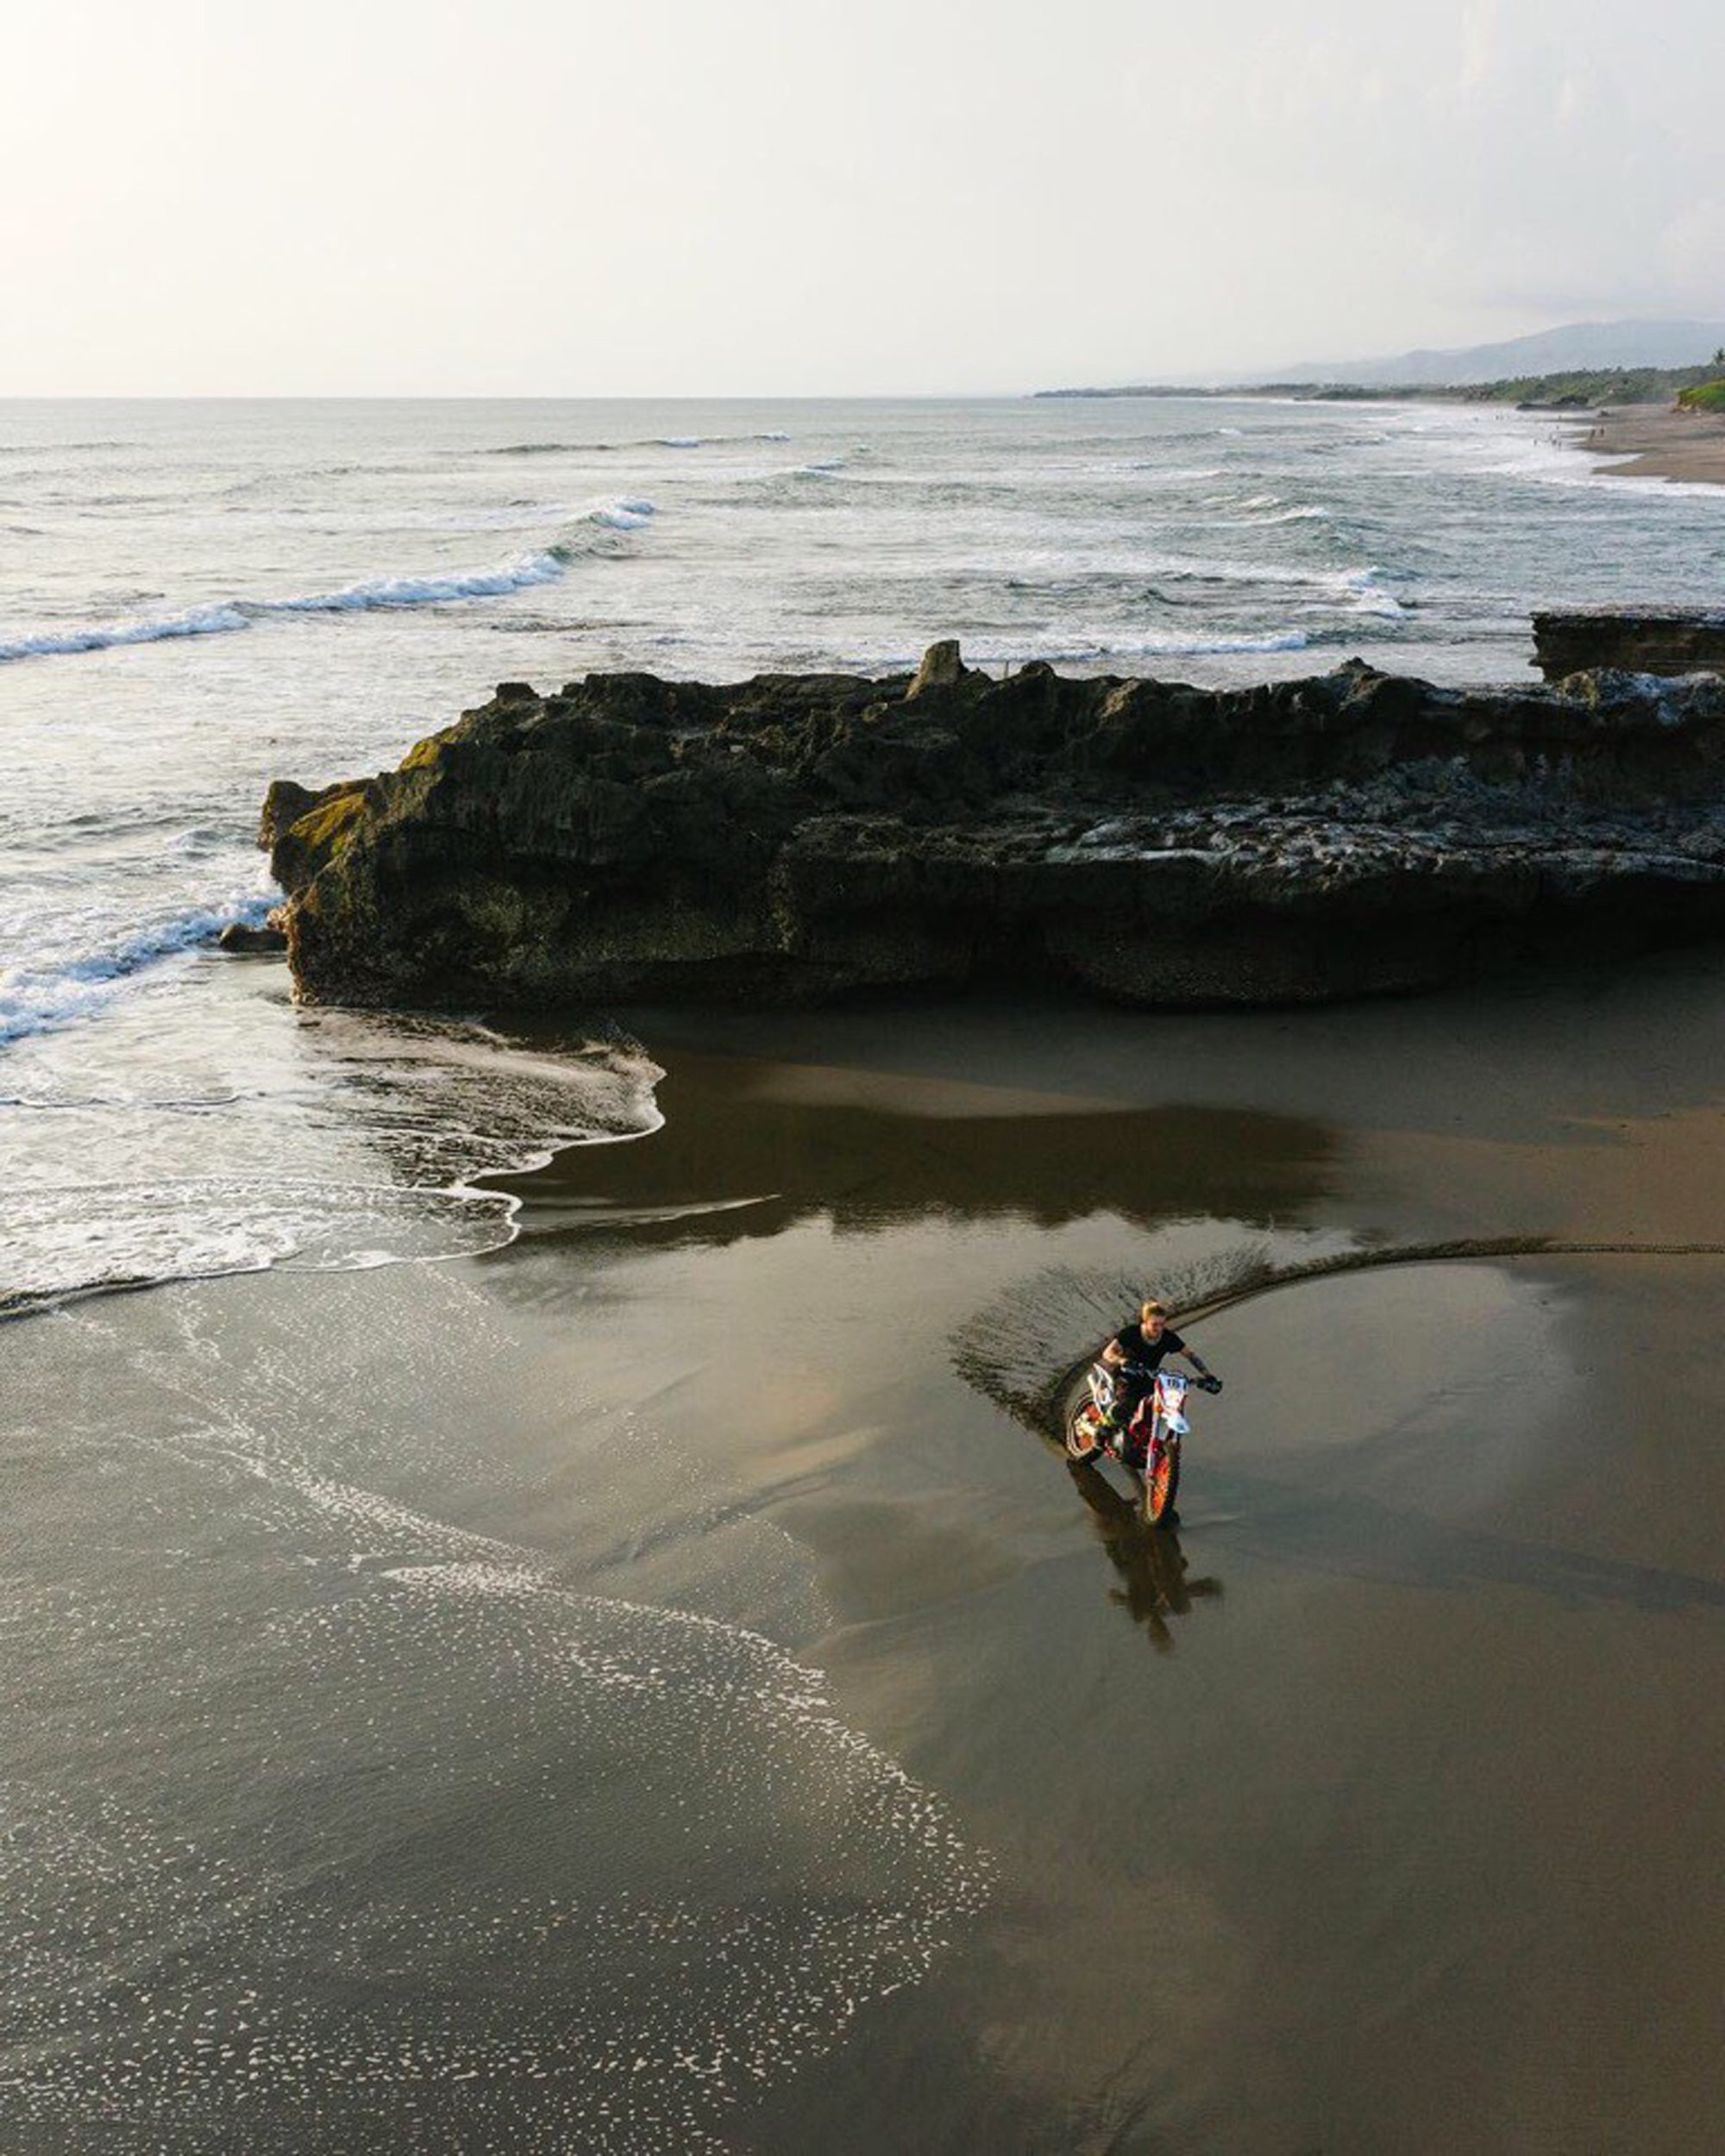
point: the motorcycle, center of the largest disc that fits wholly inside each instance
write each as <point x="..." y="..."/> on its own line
<point x="1149" y="1447"/>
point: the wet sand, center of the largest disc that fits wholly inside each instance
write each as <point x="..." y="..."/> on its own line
<point x="1376" y="1808"/>
<point x="1660" y="442"/>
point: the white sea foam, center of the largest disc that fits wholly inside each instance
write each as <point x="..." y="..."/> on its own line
<point x="627" y="514"/>
<point x="1368" y="595"/>
<point x="202" y="621"/>
<point x="710" y="440"/>
<point x="358" y="1142"/>
<point x="1176" y="475"/>
<point x="706" y="1874"/>
<point x="33" y="999"/>
<point x="386" y="593"/>
<point x="1313" y="512"/>
<point x="520" y="575"/>
<point x="1170" y="645"/>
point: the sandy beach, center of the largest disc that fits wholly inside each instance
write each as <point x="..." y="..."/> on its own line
<point x="1659" y="443"/>
<point x="471" y="1608"/>
<point x="650" y="1687"/>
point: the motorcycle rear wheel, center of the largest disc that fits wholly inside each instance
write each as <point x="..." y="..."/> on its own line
<point x="1084" y="1433"/>
<point x="1161" y="1483"/>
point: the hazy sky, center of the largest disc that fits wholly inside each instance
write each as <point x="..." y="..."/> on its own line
<point x="660" y="196"/>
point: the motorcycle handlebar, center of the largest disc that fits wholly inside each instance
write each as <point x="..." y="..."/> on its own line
<point x="1208" y="1382"/>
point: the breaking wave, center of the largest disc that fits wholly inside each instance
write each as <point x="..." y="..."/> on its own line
<point x="35" y="999"/>
<point x="607" y="449"/>
<point x="1171" y="645"/>
<point x="387" y="593"/>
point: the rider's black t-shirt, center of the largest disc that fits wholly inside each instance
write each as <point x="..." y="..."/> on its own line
<point x="1133" y="1344"/>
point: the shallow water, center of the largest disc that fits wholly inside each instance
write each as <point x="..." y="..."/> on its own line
<point x="637" y="1689"/>
<point x="585" y="1652"/>
<point x="196" y="599"/>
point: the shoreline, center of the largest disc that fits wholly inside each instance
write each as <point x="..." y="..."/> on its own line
<point x="561" y="1554"/>
<point x="1657" y="443"/>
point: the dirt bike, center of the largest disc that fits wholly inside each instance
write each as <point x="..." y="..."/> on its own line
<point x="1150" y="1446"/>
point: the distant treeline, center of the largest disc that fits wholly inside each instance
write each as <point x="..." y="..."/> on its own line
<point x="1590" y="386"/>
<point x="1577" y="389"/>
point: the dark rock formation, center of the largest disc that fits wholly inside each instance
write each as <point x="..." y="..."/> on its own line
<point x="1662" y="640"/>
<point x="797" y="836"/>
<point x="253" y="943"/>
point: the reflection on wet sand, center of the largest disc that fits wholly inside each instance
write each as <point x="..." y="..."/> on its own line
<point x="1152" y="1565"/>
<point x="743" y="1155"/>
<point x="1462" y="1641"/>
<point x="1339" y="1532"/>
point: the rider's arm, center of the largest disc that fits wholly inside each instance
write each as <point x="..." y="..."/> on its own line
<point x="1114" y="1355"/>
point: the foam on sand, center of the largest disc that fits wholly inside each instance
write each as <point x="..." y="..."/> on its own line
<point x="392" y="1126"/>
<point x="443" y="1851"/>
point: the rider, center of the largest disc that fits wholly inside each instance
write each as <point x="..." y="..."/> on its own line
<point x="1135" y="1355"/>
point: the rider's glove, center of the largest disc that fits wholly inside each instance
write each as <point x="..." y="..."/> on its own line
<point x="1211" y="1384"/>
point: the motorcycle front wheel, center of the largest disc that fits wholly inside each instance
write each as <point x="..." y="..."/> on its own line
<point x="1084" y="1431"/>
<point x="1161" y="1482"/>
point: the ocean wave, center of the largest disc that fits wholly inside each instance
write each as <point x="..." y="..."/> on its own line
<point x="704" y="441"/>
<point x="1158" y="645"/>
<point x="57" y="449"/>
<point x="37" y="999"/>
<point x="1175" y="475"/>
<point x="201" y="621"/>
<point x="627" y="513"/>
<point x="385" y="592"/>
<point x="1312" y="513"/>
<point x="649" y="442"/>
<point x="1366" y="592"/>
<point x="549" y="448"/>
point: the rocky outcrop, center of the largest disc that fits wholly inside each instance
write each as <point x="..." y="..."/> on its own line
<point x="1657" y="640"/>
<point x="240" y="940"/>
<point x="799" y="836"/>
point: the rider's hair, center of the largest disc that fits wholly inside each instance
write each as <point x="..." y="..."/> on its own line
<point x="1152" y="1309"/>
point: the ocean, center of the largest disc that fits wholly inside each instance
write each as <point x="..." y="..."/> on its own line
<point x="530" y="1636"/>
<point x="198" y="597"/>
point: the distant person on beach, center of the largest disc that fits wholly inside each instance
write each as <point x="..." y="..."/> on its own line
<point x="1136" y="1354"/>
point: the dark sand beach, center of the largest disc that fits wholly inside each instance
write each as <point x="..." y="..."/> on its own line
<point x="1660" y="442"/>
<point x="439" y="1630"/>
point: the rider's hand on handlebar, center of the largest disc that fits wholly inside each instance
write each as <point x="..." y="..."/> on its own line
<point x="1210" y="1383"/>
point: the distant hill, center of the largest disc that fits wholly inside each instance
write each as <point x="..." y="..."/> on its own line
<point x="1595" y="346"/>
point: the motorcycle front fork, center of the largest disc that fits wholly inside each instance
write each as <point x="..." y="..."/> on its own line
<point x="1132" y="1448"/>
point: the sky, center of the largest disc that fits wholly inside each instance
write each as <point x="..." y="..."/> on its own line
<point x="780" y="197"/>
